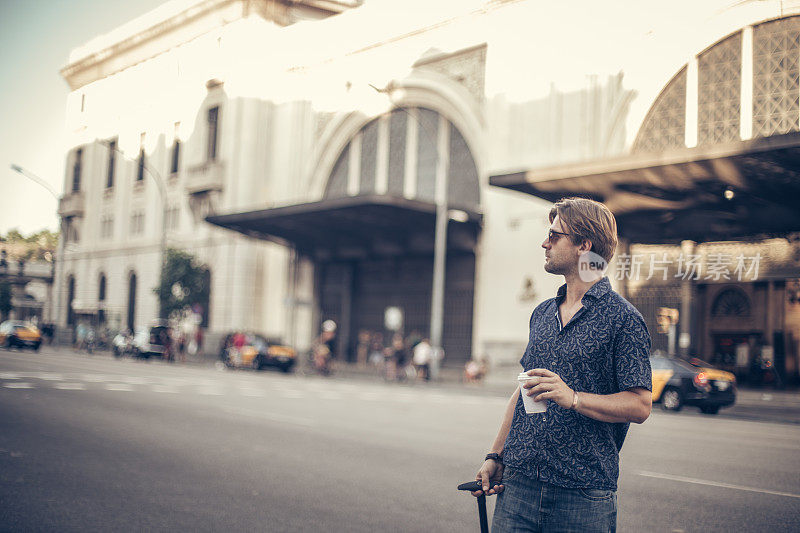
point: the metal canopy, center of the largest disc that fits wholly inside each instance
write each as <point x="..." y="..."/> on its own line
<point x="740" y="190"/>
<point x="352" y="227"/>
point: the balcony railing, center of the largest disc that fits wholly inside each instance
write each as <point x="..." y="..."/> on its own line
<point x="205" y="178"/>
<point x="71" y="205"/>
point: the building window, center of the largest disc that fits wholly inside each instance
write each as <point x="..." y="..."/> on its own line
<point x="101" y="291"/>
<point x="175" y="160"/>
<point x="112" y="158"/>
<point x="70" y="230"/>
<point x="131" y="322"/>
<point x="141" y="162"/>
<point x="107" y="227"/>
<point x="213" y="133"/>
<point x="137" y="223"/>
<point x="172" y="218"/>
<point x="731" y="302"/>
<point x="76" y="170"/>
<point x="70" y="299"/>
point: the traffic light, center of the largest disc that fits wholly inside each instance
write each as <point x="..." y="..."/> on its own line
<point x="666" y="317"/>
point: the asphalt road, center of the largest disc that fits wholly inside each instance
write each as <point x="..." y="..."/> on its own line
<point x="93" y="443"/>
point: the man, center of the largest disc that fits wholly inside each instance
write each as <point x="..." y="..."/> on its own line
<point x="588" y="358"/>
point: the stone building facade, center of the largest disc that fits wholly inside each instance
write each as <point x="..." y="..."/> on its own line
<point x="300" y="149"/>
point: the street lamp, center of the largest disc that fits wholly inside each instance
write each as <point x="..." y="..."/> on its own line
<point x="60" y="255"/>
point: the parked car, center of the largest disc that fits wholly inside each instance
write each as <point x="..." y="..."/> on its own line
<point x="18" y="334"/>
<point x="257" y="352"/>
<point x="151" y="341"/>
<point x="677" y="383"/>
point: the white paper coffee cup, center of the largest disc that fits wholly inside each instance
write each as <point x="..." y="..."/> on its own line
<point x="531" y="406"/>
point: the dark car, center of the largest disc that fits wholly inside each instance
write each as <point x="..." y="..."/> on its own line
<point x="677" y="383"/>
<point x="153" y="340"/>
<point x="257" y="352"/>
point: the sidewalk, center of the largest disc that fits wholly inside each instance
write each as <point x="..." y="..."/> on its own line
<point x="497" y="383"/>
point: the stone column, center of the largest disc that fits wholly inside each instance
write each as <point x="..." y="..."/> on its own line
<point x="687" y="302"/>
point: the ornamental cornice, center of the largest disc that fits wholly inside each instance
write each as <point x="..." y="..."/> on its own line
<point x="198" y="18"/>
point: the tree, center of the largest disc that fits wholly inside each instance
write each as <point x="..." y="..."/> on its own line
<point x="39" y="246"/>
<point x="5" y="299"/>
<point x="184" y="283"/>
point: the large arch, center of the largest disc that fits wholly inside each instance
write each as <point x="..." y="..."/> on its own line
<point x="421" y="89"/>
<point x="405" y="152"/>
<point x="744" y="85"/>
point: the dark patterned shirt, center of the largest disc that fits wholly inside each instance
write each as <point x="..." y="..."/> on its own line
<point x="604" y="349"/>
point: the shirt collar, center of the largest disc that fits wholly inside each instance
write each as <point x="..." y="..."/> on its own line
<point x="595" y="292"/>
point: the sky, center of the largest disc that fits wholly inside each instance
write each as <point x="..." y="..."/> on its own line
<point x="36" y="37"/>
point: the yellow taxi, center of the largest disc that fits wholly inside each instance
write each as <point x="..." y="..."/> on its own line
<point x="18" y="334"/>
<point x="257" y="352"/>
<point x="677" y="383"/>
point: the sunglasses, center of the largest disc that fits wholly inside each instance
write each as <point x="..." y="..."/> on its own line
<point x="553" y="236"/>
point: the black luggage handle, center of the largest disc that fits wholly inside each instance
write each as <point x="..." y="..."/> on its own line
<point x="473" y="486"/>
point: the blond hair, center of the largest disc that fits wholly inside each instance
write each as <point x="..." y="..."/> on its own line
<point x="587" y="219"/>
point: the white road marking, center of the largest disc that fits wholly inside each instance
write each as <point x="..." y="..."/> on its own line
<point x="118" y="387"/>
<point x="165" y="388"/>
<point x="20" y="385"/>
<point x="209" y="392"/>
<point x="327" y="395"/>
<point x="292" y="393"/>
<point x="70" y="386"/>
<point x="49" y="376"/>
<point x="133" y="380"/>
<point x="94" y="378"/>
<point x="716" y="484"/>
<point x="9" y="375"/>
<point x="252" y="393"/>
<point x="285" y="419"/>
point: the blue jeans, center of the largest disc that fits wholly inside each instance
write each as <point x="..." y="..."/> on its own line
<point x="530" y="505"/>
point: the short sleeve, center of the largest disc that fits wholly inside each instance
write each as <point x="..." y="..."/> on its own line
<point x="632" y="353"/>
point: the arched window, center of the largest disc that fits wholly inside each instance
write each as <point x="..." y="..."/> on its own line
<point x="101" y="290"/>
<point x="731" y="302"/>
<point x="132" y="302"/>
<point x="70" y="299"/>
<point x="101" y="299"/>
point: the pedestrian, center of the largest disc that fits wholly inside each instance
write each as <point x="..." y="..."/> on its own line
<point x="362" y="347"/>
<point x="473" y="371"/>
<point x="396" y="359"/>
<point x="589" y="350"/>
<point x="422" y="359"/>
<point x="376" y="358"/>
<point x="239" y="340"/>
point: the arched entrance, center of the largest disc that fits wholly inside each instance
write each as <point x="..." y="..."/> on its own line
<point x="413" y="153"/>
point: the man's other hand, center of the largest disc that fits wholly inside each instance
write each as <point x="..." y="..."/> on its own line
<point x="490" y="476"/>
